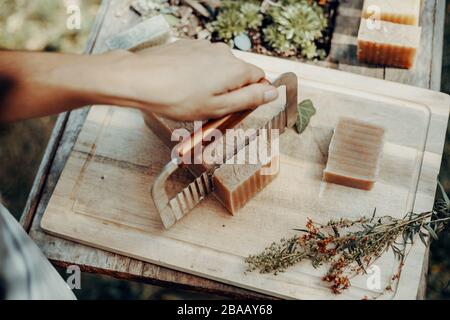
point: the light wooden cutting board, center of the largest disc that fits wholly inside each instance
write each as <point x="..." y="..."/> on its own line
<point x="102" y="198"/>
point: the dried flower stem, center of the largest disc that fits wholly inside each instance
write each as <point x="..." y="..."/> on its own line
<point x="351" y="246"/>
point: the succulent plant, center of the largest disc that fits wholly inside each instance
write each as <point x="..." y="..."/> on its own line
<point x="276" y="39"/>
<point x="236" y="17"/>
<point x="296" y="26"/>
<point x="289" y="27"/>
<point x="229" y="23"/>
<point x="281" y="27"/>
<point x="252" y="15"/>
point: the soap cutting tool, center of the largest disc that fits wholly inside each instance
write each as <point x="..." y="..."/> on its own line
<point x="174" y="209"/>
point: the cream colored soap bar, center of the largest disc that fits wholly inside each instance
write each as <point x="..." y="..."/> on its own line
<point x="355" y="154"/>
<point x="149" y="33"/>
<point x="396" y="11"/>
<point x="387" y="43"/>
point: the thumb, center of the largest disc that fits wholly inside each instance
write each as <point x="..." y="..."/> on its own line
<point x="248" y="97"/>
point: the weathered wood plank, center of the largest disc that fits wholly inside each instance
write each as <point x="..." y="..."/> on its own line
<point x="60" y="125"/>
<point x="420" y="74"/>
<point x="344" y="43"/>
<point x="438" y="45"/>
<point x="435" y="84"/>
<point x="41" y="177"/>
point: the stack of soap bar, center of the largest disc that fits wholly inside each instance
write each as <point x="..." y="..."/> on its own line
<point x="355" y="154"/>
<point x="386" y="43"/>
<point x="396" y="11"/>
<point x="151" y="32"/>
<point x="235" y="184"/>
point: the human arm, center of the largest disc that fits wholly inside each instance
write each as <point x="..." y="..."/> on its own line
<point x="185" y="80"/>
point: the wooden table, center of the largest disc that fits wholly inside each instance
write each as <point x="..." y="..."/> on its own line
<point x="114" y="16"/>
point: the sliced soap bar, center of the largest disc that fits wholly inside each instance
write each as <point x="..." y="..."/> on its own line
<point x="235" y="184"/>
<point x="386" y="43"/>
<point x="396" y="11"/>
<point x="151" y="32"/>
<point x="355" y="154"/>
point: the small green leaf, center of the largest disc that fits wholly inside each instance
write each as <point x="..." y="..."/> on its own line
<point x="306" y="111"/>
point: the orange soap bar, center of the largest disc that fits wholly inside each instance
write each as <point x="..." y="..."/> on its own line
<point x="355" y="154"/>
<point x="396" y="11"/>
<point x="386" y="43"/>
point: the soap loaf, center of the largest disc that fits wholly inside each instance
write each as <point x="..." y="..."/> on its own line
<point x="396" y="11"/>
<point x="149" y="33"/>
<point x="355" y="154"/>
<point x="386" y="43"/>
<point x="235" y="184"/>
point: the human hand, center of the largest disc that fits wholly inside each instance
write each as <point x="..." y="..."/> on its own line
<point x="186" y="80"/>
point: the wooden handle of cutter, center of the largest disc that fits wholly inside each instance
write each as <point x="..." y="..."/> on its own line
<point x="203" y="134"/>
<point x="200" y="136"/>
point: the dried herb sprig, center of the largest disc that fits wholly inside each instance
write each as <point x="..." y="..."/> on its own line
<point x="352" y="246"/>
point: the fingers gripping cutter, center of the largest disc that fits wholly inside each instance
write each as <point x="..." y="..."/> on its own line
<point x="174" y="209"/>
